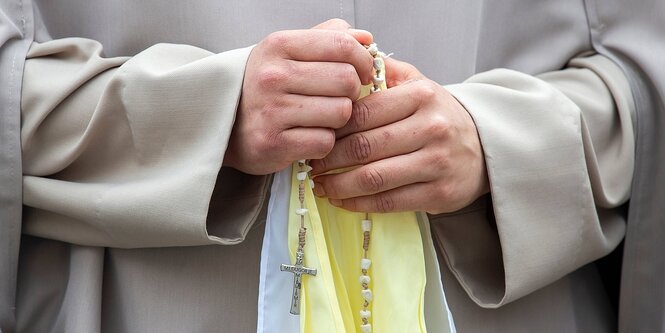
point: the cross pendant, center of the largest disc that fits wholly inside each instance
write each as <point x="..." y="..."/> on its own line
<point x="298" y="270"/>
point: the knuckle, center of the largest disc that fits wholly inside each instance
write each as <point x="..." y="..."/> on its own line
<point x="277" y="103"/>
<point x="384" y="204"/>
<point x="439" y="161"/>
<point x="339" y="22"/>
<point x="350" y="79"/>
<point x="269" y="143"/>
<point x="361" y="113"/>
<point x="271" y="76"/>
<point x="424" y="91"/>
<point x="260" y="148"/>
<point x="442" y="193"/>
<point x="359" y="148"/>
<point x="438" y="127"/>
<point x="275" y="40"/>
<point x="371" y="180"/>
<point x="343" y="42"/>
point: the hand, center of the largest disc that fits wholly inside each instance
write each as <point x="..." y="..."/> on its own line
<point x="416" y="146"/>
<point x="299" y="86"/>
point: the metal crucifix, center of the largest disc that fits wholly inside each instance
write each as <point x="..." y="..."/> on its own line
<point x="298" y="270"/>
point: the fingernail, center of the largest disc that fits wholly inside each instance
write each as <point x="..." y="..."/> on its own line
<point x="366" y="36"/>
<point x="318" y="190"/>
<point x="335" y="202"/>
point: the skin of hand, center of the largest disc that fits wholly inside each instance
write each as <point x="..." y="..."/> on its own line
<point x="415" y="146"/>
<point x="299" y="87"/>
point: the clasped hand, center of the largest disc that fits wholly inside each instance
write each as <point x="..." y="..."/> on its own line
<point x="413" y="146"/>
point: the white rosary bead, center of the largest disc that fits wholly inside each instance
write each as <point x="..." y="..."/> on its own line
<point x="378" y="63"/>
<point x="364" y="279"/>
<point x="366" y="294"/>
<point x="367" y="328"/>
<point x="311" y="183"/>
<point x="373" y="49"/>
<point x="378" y="80"/>
<point x="301" y="211"/>
<point x="365" y="314"/>
<point x="365" y="263"/>
<point x="367" y="225"/>
<point x="301" y="175"/>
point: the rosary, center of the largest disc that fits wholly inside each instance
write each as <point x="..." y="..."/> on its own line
<point x="298" y="268"/>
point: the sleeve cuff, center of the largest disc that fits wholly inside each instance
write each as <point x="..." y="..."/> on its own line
<point x="130" y="156"/>
<point x="542" y="223"/>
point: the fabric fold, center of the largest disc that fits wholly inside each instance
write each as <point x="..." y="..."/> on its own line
<point x="130" y="156"/>
<point x="536" y="144"/>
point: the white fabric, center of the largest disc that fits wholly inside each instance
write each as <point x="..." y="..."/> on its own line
<point x="275" y="287"/>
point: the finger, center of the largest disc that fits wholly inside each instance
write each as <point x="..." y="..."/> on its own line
<point x="398" y="138"/>
<point x="386" y="107"/>
<point x="412" y="197"/>
<point x="362" y="36"/>
<point x="313" y="111"/>
<point x="323" y="46"/>
<point x="333" y="24"/>
<point x="323" y="79"/>
<point x="307" y="142"/>
<point x="373" y="178"/>
<point x="400" y="72"/>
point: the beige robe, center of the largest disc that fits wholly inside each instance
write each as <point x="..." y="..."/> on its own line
<point x="122" y="162"/>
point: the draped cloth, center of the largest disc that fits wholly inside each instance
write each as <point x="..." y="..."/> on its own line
<point x="331" y="300"/>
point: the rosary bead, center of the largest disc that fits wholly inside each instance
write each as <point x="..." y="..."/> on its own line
<point x="366" y="294"/>
<point x="364" y="279"/>
<point x="367" y="225"/>
<point x="365" y="263"/>
<point x="301" y="175"/>
<point x="366" y="328"/>
<point x="378" y="80"/>
<point x="373" y="49"/>
<point x="301" y="211"/>
<point x="311" y="183"/>
<point x="365" y="314"/>
<point x="378" y="63"/>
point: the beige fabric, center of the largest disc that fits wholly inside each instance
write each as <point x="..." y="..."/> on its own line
<point x="71" y="288"/>
<point x="115" y="182"/>
<point x="537" y="146"/>
<point x="105" y="147"/>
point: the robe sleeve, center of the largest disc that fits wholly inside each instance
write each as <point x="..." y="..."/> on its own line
<point x="559" y="150"/>
<point x="128" y="152"/>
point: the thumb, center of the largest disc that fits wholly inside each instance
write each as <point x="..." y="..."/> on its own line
<point x="399" y="72"/>
<point x="362" y="36"/>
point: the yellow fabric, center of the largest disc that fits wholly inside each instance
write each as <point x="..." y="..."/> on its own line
<point x="331" y="300"/>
